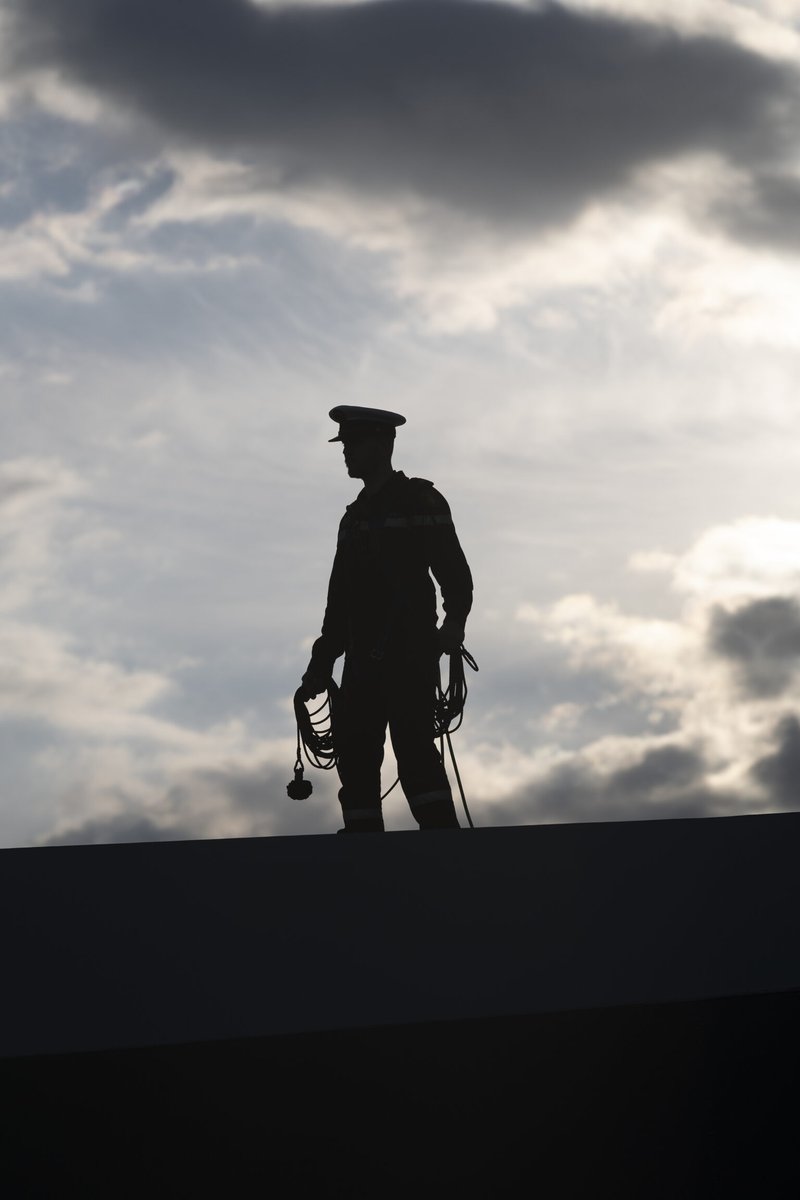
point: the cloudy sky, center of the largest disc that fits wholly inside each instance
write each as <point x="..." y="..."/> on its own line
<point x="563" y="239"/>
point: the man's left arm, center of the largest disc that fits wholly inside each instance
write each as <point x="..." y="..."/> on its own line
<point x="451" y="571"/>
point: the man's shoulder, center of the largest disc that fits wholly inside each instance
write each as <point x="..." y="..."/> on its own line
<point x="422" y="492"/>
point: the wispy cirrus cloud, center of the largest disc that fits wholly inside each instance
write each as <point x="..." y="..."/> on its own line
<point x="35" y="494"/>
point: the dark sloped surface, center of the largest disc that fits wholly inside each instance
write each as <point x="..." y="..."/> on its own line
<point x="153" y="944"/>
<point x="694" y="1100"/>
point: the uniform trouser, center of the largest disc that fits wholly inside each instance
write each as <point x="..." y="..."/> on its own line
<point x="398" y="692"/>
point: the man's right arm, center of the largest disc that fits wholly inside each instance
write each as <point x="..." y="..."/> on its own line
<point x="331" y="642"/>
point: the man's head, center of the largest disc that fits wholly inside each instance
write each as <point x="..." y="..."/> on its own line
<point x="367" y="435"/>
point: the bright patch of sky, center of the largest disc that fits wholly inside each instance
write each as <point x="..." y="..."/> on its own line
<point x="594" y="341"/>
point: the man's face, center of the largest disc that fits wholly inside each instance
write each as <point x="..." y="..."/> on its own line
<point x="362" y="453"/>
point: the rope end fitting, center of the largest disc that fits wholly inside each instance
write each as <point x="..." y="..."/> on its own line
<point x="299" y="788"/>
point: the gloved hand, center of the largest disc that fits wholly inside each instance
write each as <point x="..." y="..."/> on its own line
<point x="311" y="685"/>
<point x="449" y="639"/>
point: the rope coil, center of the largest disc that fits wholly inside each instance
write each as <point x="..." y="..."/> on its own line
<point x="316" y="736"/>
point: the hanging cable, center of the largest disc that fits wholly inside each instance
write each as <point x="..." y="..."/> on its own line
<point x="449" y="712"/>
<point x="449" y="707"/>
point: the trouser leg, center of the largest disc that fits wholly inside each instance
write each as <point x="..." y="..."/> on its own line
<point x="422" y="774"/>
<point x="360" y="733"/>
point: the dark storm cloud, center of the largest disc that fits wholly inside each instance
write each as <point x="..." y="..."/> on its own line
<point x="779" y="773"/>
<point x="762" y="641"/>
<point x="514" y="114"/>
<point x="200" y="806"/>
<point x="766" y="210"/>
<point x="667" y="782"/>
<point x="668" y="769"/>
<point x="260" y="796"/>
<point x="123" y="827"/>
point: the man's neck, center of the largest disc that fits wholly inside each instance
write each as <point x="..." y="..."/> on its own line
<point x="375" y="480"/>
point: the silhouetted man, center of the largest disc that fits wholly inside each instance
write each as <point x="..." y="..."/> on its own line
<point x="381" y="614"/>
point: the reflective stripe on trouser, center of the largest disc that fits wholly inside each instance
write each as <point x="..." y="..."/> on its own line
<point x="398" y="692"/>
<point x="434" y="810"/>
<point x="363" y="820"/>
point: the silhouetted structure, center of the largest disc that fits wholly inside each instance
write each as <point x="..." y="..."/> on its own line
<point x="580" y="1010"/>
<point x="381" y="614"/>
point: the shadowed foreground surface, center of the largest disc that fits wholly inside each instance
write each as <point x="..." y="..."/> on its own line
<point x="577" y="1010"/>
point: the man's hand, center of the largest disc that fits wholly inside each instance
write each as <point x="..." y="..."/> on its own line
<point x="311" y="685"/>
<point x="449" y="639"/>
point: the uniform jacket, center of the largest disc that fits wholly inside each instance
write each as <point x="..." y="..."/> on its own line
<point x="381" y="598"/>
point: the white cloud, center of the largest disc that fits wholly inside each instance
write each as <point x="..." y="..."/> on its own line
<point x="766" y="26"/>
<point x="647" y="248"/>
<point x="44" y="679"/>
<point x="651" y="656"/>
<point x="34" y="494"/>
<point x="746" y="295"/>
<point x="674" y="666"/>
<point x="749" y="558"/>
<point x="651" y="247"/>
<point x="652" y="560"/>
